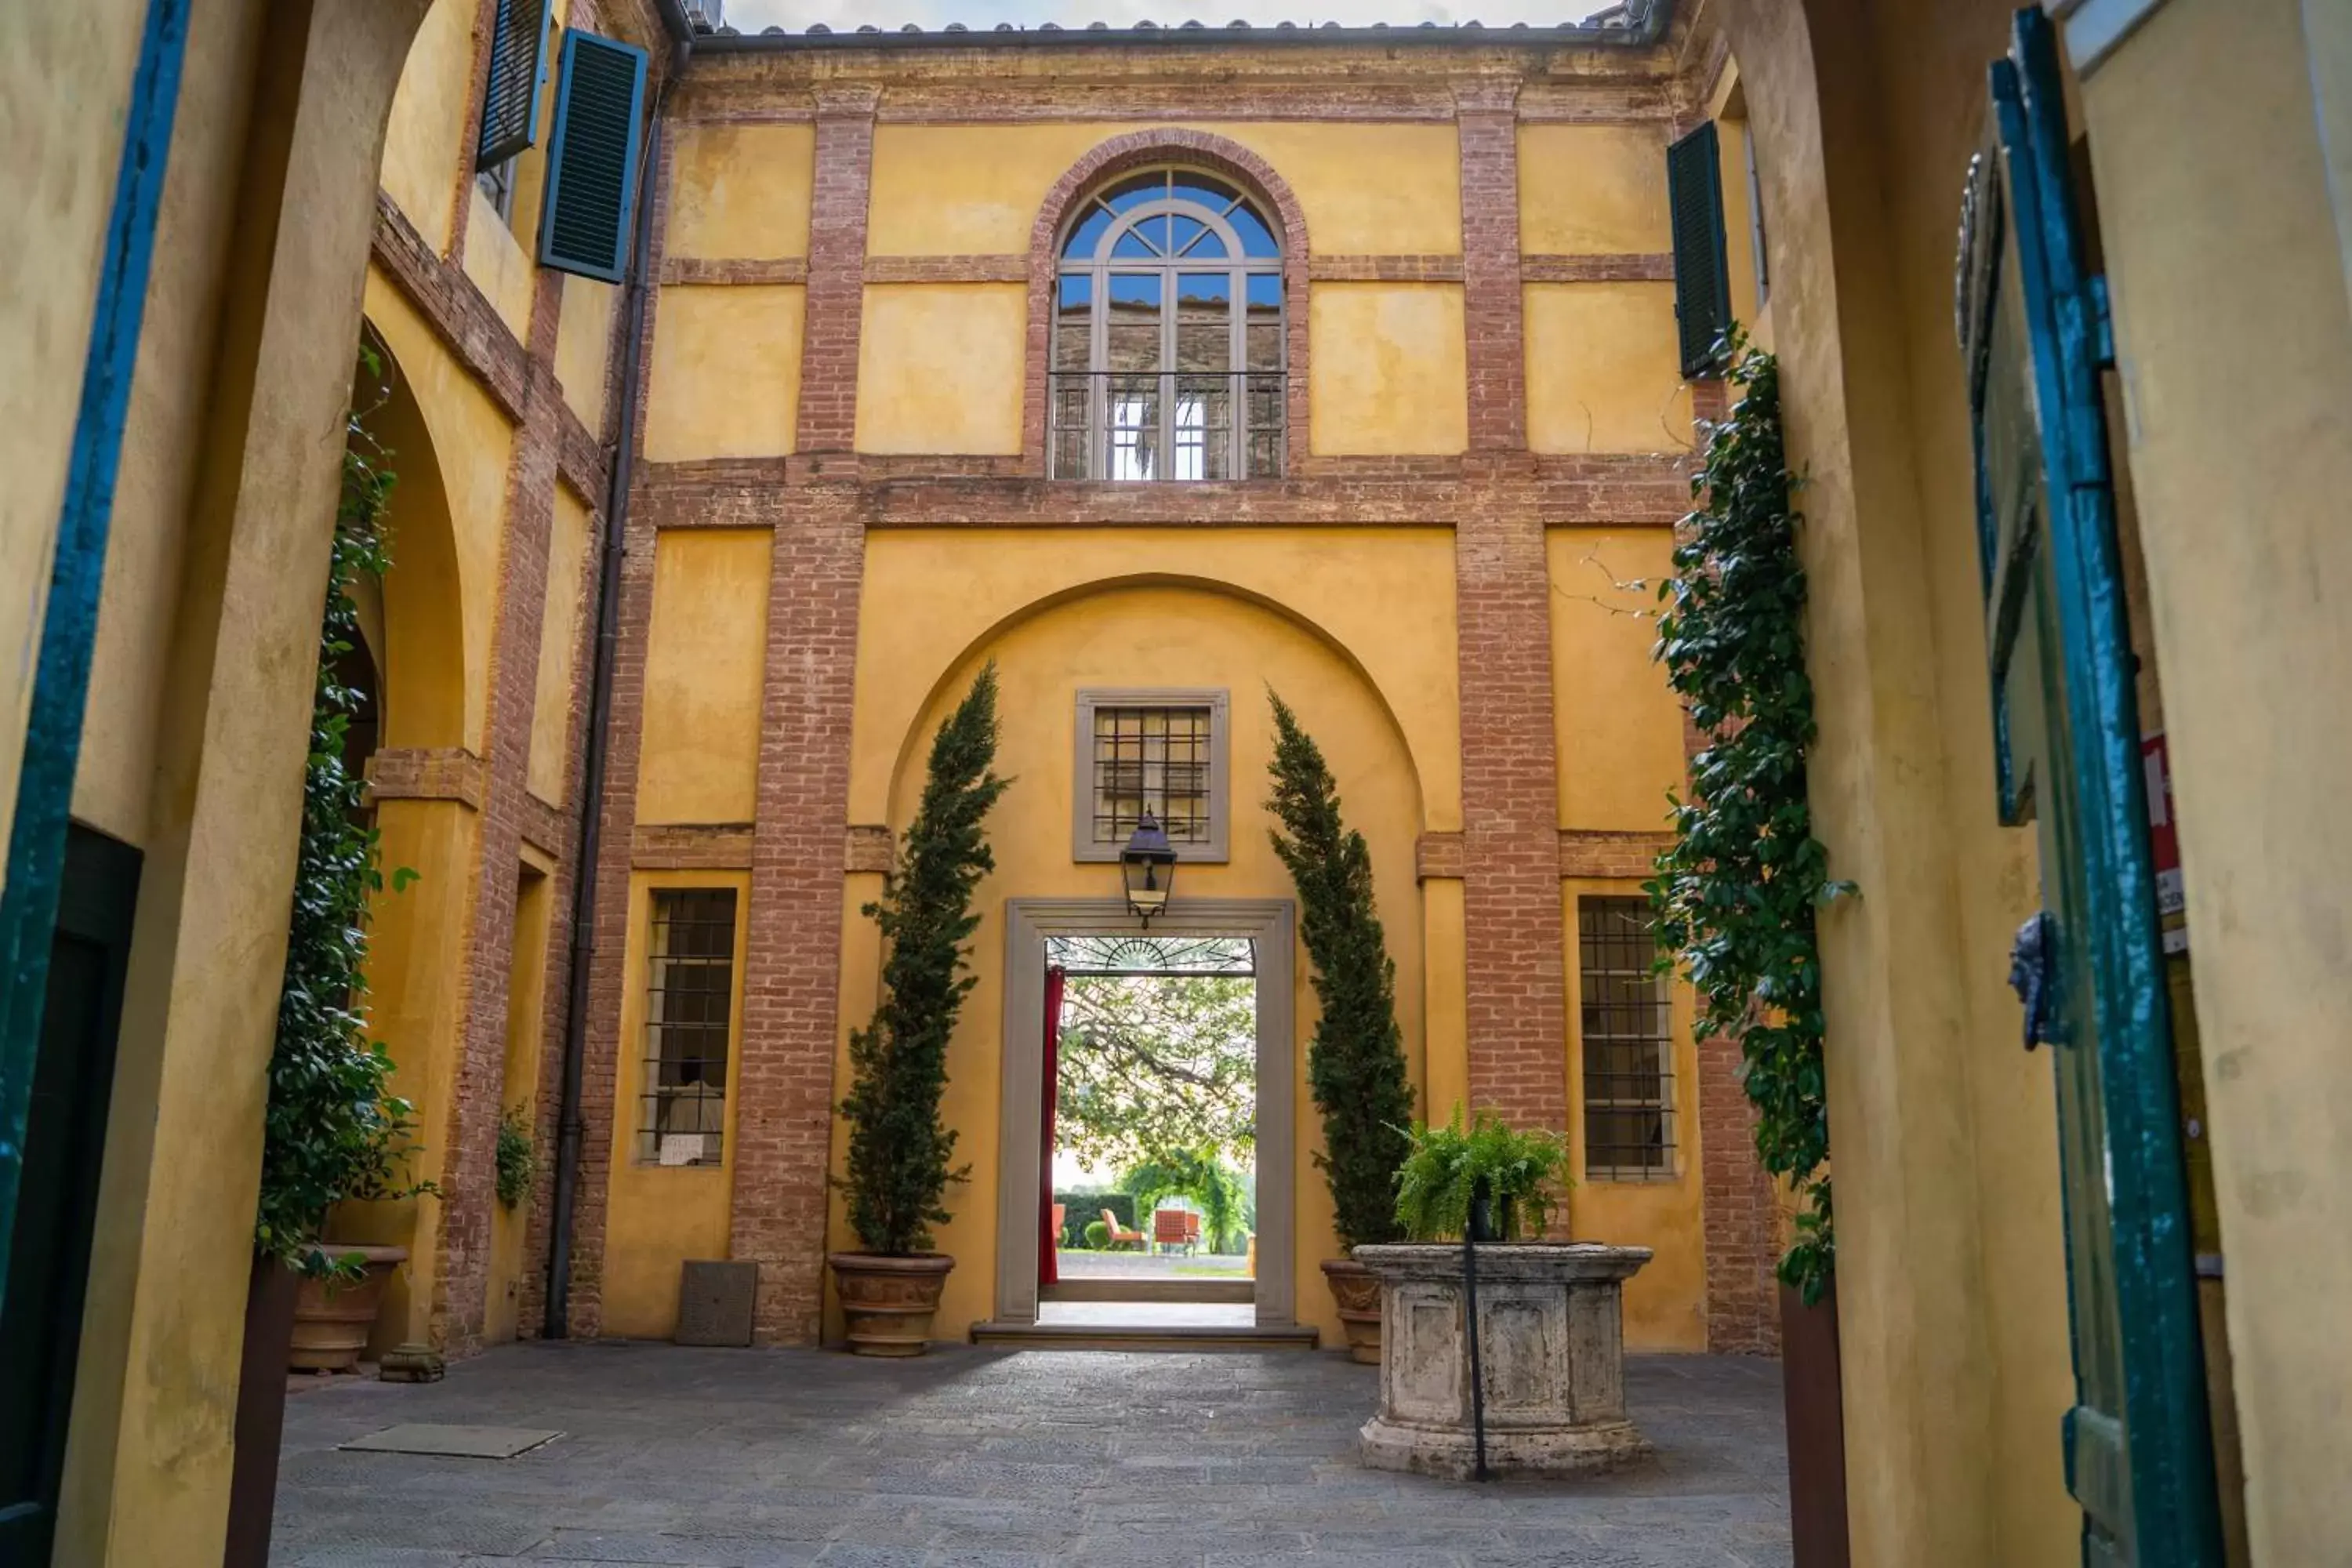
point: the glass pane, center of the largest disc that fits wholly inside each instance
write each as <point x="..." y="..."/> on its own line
<point x="1204" y="428"/>
<point x="1136" y="191"/>
<point x="1072" y="395"/>
<point x="1200" y="189"/>
<point x="1265" y="309"/>
<point x="1134" y="329"/>
<point x="1207" y="245"/>
<point x="1072" y="333"/>
<point x="1184" y="232"/>
<point x="1204" y="322"/>
<point x="1133" y="409"/>
<point x="1257" y="239"/>
<point x="1089" y="231"/>
<point x="1146" y="238"/>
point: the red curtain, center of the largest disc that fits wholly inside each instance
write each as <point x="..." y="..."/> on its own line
<point x="1049" y="1239"/>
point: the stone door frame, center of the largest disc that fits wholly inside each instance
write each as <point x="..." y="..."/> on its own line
<point x="1268" y="922"/>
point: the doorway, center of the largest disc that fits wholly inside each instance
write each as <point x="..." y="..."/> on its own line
<point x="1149" y="1106"/>
<point x="1116" y="967"/>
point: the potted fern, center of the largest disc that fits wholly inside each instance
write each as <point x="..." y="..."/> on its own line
<point x="1495" y="1321"/>
<point x="1355" y="1064"/>
<point x="899" y="1148"/>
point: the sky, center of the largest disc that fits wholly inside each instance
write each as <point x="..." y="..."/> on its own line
<point x="750" y="16"/>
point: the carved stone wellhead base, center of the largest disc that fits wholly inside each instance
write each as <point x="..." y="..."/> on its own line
<point x="1552" y="1345"/>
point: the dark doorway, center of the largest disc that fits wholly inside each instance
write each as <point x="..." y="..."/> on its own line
<point x="48" y="1270"/>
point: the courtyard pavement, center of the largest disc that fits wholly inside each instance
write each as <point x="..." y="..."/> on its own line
<point x="970" y="1459"/>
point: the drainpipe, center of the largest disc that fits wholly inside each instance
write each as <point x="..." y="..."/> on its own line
<point x="571" y="1131"/>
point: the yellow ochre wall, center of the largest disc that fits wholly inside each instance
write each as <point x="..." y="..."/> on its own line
<point x="657" y="1216"/>
<point x="1142" y="636"/>
<point x="704" y="664"/>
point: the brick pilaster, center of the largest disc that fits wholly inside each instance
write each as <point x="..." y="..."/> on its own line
<point x="1740" y="1212"/>
<point x="461" y="1277"/>
<point x="608" y="971"/>
<point x="783" y="1114"/>
<point x="1488" y="127"/>
<point x="1510" y="793"/>
<point x="783" y="1108"/>
<point x="836" y="269"/>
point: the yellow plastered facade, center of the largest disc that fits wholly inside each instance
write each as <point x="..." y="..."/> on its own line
<point x="975" y="190"/>
<point x="526" y="997"/>
<point x="939" y="368"/>
<point x="1593" y="190"/>
<point x="704" y="665"/>
<point x="1602" y="371"/>
<point x="725" y="372"/>
<point x="424" y="146"/>
<point x="496" y="262"/>
<point x="741" y="192"/>
<point x="1618" y="753"/>
<point x="1390" y="369"/>
<point x="560" y="625"/>
<point x="658" y="1216"/>
<point x="584" y="344"/>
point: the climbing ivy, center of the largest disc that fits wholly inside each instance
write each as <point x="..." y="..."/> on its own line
<point x="334" y="1129"/>
<point x="1737" y="893"/>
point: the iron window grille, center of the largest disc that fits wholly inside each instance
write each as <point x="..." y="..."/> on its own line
<point x="1156" y="760"/>
<point x="1627" y="1037"/>
<point x="689" y="1004"/>
<point x="1169" y="357"/>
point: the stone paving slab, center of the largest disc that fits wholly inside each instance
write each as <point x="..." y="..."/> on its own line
<point x="969" y="1459"/>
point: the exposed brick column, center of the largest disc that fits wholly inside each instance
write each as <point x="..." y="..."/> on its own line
<point x="1510" y="793"/>
<point x="836" y="269"/>
<point x="1739" y="1212"/>
<point x="1488" y="126"/>
<point x="783" y="1100"/>
<point x="608" y="971"/>
<point x="461" y="1277"/>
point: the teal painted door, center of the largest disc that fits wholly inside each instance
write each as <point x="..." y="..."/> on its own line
<point x="49" y="1268"/>
<point x="2088" y="966"/>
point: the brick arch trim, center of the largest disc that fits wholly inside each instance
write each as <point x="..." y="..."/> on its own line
<point x="1213" y="154"/>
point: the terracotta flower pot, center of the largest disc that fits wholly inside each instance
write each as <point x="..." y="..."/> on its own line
<point x="889" y="1301"/>
<point x="1357" y="1292"/>
<point x="331" y="1320"/>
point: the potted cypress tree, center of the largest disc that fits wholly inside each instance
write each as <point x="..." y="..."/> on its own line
<point x="899" y="1148"/>
<point x="1355" y="1064"/>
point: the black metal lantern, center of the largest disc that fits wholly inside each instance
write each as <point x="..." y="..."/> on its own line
<point x="1148" y="866"/>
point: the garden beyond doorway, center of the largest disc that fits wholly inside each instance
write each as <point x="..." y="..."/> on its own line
<point x="1151" y="1137"/>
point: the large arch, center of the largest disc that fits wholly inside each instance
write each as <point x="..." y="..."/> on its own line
<point x="425" y="662"/>
<point x="915" y="733"/>
<point x="1211" y="153"/>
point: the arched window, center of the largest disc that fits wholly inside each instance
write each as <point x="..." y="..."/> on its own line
<point x="1167" y="334"/>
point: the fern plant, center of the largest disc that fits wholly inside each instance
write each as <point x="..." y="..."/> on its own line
<point x="1524" y="1174"/>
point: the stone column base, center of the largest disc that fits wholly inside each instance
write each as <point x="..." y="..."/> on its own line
<point x="1450" y="1453"/>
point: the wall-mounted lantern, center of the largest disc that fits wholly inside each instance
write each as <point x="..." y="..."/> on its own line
<point x="1148" y="866"/>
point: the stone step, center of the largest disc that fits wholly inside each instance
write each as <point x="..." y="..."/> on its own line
<point x="1228" y="1293"/>
<point x="1142" y="1337"/>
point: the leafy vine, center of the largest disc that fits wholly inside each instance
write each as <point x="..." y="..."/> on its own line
<point x="1737" y="894"/>
<point x="334" y="1128"/>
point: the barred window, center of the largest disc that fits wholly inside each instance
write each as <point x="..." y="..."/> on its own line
<point x="1629" y="1108"/>
<point x="1152" y="750"/>
<point x="689" y="998"/>
<point x="1155" y="760"/>
<point x="1169" y="350"/>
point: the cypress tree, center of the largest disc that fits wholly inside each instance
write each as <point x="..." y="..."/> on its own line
<point x="1355" y="1064"/>
<point x="899" y="1149"/>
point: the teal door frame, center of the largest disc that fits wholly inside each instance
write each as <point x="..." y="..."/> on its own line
<point x="2089" y="965"/>
<point x="36" y="841"/>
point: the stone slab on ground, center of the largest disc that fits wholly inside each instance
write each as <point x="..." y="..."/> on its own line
<point x="968" y="1458"/>
<point x="452" y="1442"/>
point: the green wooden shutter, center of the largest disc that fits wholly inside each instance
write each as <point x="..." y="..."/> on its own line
<point x="1702" y="266"/>
<point x="592" y="158"/>
<point x="518" y="70"/>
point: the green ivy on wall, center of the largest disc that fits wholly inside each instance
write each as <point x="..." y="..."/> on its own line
<point x="1737" y="893"/>
<point x="335" y="1131"/>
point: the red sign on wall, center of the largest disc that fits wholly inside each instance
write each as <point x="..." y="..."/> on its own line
<point x="2164" y="841"/>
